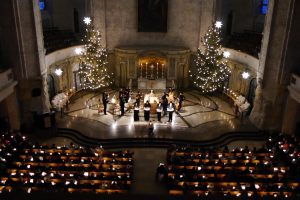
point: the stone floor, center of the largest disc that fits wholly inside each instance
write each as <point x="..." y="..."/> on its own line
<point x="201" y="118"/>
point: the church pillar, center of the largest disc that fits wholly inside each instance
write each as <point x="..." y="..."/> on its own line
<point x="207" y="16"/>
<point x="12" y="106"/>
<point x="98" y="14"/>
<point x="22" y="40"/>
<point x="273" y="72"/>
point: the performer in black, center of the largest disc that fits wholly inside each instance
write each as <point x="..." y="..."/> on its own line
<point x="147" y="108"/>
<point x="121" y="93"/>
<point x="164" y="103"/>
<point x="158" y="111"/>
<point x="171" y="108"/>
<point x="122" y="104"/>
<point x="127" y="94"/>
<point x="138" y="98"/>
<point x="181" y="98"/>
<point x="105" y="101"/>
<point x="136" y="112"/>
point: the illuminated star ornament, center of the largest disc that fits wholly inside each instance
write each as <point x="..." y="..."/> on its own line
<point x="58" y="72"/>
<point x="78" y="51"/>
<point x="218" y="24"/>
<point x="245" y="75"/>
<point x="226" y="54"/>
<point x="87" y="20"/>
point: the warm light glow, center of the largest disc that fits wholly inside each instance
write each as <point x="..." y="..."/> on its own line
<point x="87" y="20"/>
<point x="245" y="75"/>
<point x="218" y="24"/>
<point x="78" y="51"/>
<point x="58" y="72"/>
<point x="226" y="54"/>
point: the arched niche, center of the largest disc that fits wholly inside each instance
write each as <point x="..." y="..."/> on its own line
<point x="171" y="63"/>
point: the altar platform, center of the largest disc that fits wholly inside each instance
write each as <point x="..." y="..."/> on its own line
<point x="202" y="118"/>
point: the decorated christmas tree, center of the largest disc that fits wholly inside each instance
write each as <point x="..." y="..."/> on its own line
<point x="93" y="67"/>
<point x="211" y="67"/>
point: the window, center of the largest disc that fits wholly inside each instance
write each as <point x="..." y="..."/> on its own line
<point x="42" y="4"/>
<point x="264" y="6"/>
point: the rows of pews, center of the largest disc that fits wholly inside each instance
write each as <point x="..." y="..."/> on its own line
<point x="270" y="171"/>
<point x="64" y="169"/>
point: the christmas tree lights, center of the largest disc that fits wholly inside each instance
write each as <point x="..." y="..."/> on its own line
<point x="93" y="67"/>
<point x="212" y="69"/>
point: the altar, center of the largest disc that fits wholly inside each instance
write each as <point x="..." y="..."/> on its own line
<point x="156" y="84"/>
<point x="153" y="100"/>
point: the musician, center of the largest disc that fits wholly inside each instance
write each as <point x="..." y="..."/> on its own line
<point x="181" y="98"/>
<point x="122" y="104"/>
<point x="105" y="100"/>
<point x="136" y="112"/>
<point x="127" y="94"/>
<point x="171" y="109"/>
<point x="147" y="108"/>
<point x="159" y="109"/>
<point x="121" y="93"/>
<point x="164" y="103"/>
<point x="138" y="98"/>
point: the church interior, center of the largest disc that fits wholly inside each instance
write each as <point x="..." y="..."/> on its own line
<point x="152" y="99"/>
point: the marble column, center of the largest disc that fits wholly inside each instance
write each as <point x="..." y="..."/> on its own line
<point x="98" y="13"/>
<point x="291" y="116"/>
<point x="207" y="17"/>
<point x="273" y="73"/>
<point x="13" y="112"/>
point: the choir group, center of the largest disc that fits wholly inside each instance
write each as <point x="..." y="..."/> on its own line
<point x="165" y="105"/>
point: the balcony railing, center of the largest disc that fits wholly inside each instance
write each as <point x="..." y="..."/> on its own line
<point x="58" y="39"/>
<point x="248" y="42"/>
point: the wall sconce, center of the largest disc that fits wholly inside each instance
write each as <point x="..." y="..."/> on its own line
<point x="226" y="54"/>
<point x="245" y="75"/>
<point x="78" y="51"/>
<point x="58" y="72"/>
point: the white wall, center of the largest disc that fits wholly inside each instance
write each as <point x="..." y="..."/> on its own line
<point x="121" y="24"/>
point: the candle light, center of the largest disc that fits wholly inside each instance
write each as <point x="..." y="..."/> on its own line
<point x="162" y="71"/>
<point x="146" y="69"/>
<point x="156" y="70"/>
<point x="141" y="70"/>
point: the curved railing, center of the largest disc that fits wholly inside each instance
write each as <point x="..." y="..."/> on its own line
<point x="244" y="58"/>
<point x="157" y="142"/>
<point x="61" y="54"/>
